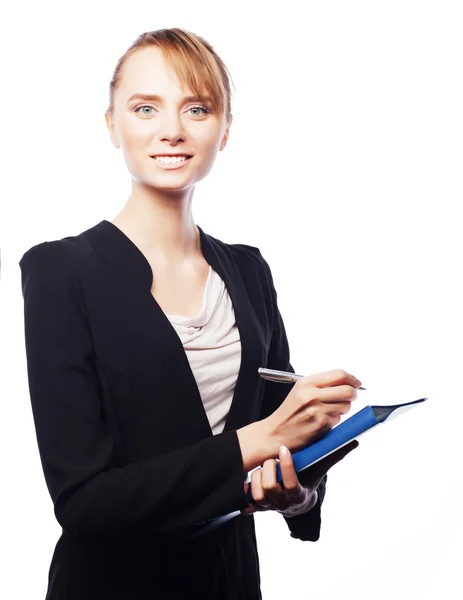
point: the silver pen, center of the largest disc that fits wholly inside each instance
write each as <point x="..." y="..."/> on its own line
<point x="283" y="376"/>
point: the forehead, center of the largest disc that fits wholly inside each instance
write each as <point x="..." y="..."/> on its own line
<point x="147" y="71"/>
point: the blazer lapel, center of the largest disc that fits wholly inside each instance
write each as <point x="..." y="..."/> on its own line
<point x="253" y="352"/>
<point x="132" y="275"/>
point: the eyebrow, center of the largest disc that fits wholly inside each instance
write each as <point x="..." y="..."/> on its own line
<point x="156" y="98"/>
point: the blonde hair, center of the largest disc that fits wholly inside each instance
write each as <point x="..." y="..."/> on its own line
<point x="195" y="62"/>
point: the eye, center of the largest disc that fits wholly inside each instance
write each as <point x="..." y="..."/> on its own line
<point x="200" y="107"/>
<point x="143" y="106"/>
<point x="204" y="108"/>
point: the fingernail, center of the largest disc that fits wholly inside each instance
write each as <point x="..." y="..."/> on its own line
<point x="284" y="451"/>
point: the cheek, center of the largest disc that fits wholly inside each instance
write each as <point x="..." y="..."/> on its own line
<point x="136" y="135"/>
<point x="207" y="139"/>
<point x="136" y="144"/>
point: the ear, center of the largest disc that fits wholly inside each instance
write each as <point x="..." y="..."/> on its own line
<point x="112" y="132"/>
<point x="226" y="134"/>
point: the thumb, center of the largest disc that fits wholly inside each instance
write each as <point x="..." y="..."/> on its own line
<point x="329" y="461"/>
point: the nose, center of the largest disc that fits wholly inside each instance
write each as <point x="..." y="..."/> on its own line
<point x="169" y="127"/>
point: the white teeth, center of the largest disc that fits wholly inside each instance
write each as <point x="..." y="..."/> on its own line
<point x="170" y="159"/>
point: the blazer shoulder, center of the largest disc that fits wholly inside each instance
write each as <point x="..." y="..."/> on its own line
<point x="50" y="272"/>
<point x="252" y="253"/>
<point x="249" y="259"/>
<point x="52" y="266"/>
<point x="52" y="253"/>
<point x="248" y="256"/>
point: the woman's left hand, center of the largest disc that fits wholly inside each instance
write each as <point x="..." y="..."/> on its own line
<point x="268" y="494"/>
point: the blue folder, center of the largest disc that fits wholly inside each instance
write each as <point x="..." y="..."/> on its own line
<point x="342" y="434"/>
<point x="339" y="436"/>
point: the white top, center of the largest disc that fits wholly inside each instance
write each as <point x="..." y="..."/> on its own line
<point x="213" y="347"/>
<point x="212" y="344"/>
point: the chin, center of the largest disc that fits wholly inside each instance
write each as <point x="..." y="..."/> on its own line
<point x="167" y="187"/>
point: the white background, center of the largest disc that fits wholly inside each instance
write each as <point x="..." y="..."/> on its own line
<point x="344" y="166"/>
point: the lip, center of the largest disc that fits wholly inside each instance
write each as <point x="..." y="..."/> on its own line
<point x="171" y="166"/>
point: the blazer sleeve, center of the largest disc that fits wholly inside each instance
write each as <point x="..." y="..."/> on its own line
<point x="306" y="526"/>
<point x="91" y="495"/>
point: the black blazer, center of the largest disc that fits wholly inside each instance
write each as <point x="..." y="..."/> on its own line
<point x="127" y="451"/>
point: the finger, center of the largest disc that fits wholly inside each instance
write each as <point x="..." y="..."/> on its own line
<point x="330" y="408"/>
<point x="338" y="393"/>
<point x="292" y="485"/>
<point x="248" y="510"/>
<point x="251" y="508"/>
<point x="314" y="410"/>
<point x="257" y="490"/>
<point x="332" y="378"/>
<point x="273" y="491"/>
<point x="324" y="465"/>
<point x="274" y="494"/>
<point x="339" y="454"/>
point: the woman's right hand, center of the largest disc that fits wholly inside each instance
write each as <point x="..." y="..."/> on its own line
<point x="313" y="407"/>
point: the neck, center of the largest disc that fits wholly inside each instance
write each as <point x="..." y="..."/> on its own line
<point x="161" y="223"/>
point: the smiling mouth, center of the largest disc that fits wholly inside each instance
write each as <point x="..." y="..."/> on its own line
<point x="172" y="159"/>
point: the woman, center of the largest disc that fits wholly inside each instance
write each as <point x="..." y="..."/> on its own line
<point x="144" y="336"/>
